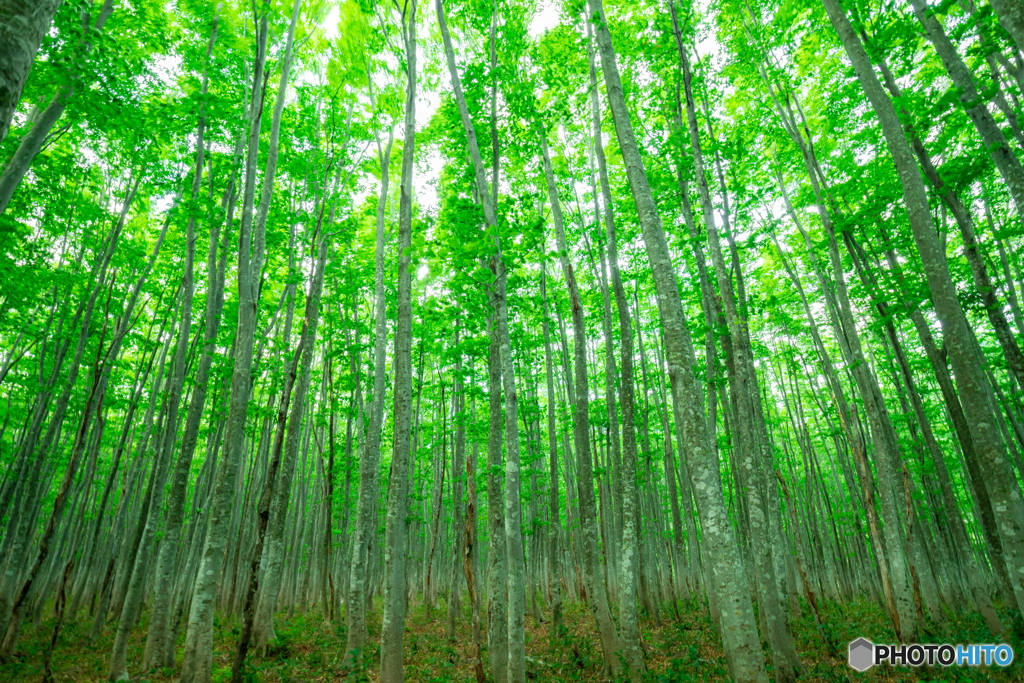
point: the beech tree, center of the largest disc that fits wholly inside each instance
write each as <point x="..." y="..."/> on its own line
<point x="507" y="340"/>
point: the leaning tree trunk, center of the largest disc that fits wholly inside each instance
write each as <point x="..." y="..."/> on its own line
<point x="970" y="376"/>
<point x="33" y="140"/>
<point x="23" y="24"/>
<point x="160" y="650"/>
<point x="93" y="403"/>
<point x="197" y="666"/>
<point x="277" y="485"/>
<point x="610" y="643"/>
<point x="751" y="469"/>
<point x="739" y="630"/>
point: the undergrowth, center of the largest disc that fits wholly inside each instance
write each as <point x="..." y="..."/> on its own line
<point x="677" y="650"/>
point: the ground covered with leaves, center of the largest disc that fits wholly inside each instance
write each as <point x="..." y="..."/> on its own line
<point x="682" y="648"/>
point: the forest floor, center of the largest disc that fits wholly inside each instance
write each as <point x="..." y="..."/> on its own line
<point x="683" y="650"/>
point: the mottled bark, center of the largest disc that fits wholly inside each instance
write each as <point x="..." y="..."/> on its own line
<point x="497" y="599"/>
<point x="459" y="458"/>
<point x="513" y="533"/>
<point x="631" y="557"/>
<point x="554" y="532"/>
<point x="369" y="456"/>
<point x="159" y="647"/>
<point x="1011" y="18"/>
<point x="739" y="631"/>
<point x="972" y="101"/>
<point x="277" y="486"/>
<point x="970" y="376"/>
<point x="751" y="470"/>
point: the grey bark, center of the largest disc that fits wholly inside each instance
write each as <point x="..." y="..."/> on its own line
<point x="197" y="666"/>
<point x="160" y="651"/>
<point x="970" y="376"/>
<point x="393" y="627"/>
<point x="554" y="532"/>
<point x="23" y="24"/>
<point x="33" y="140"/>
<point x="598" y="598"/>
<point x="277" y="483"/>
<point x="93" y="402"/>
<point x="497" y="623"/>
<point x="458" y="520"/>
<point x="752" y="476"/>
<point x="973" y="102"/>
<point x="739" y="631"/>
<point x="630" y="558"/>
<point x="364" y="533"/>
<point x="513" y="532"/>
<point x="1011" y="18"/>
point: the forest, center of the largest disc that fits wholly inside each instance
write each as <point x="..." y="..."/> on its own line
<point x="495" y="340"/>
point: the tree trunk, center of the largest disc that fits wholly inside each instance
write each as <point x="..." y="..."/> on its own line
<point x="22" y="26"/>
<point x="33" y="140"/>
<point x="629" y="633"/>
<point x="457" y="510"/>
<point x="1005" y="493"/>
<point x="197" y="666"/>
<point x="277" y="483"/>
<point x="497" y="599"/>
<point x="598" y="598"/>
<point x="160" y="650"/>
<point x="554" y="532"/>
<point x="739" y="632"/>
<point x="393" y="627"/>
<point x="513" y="532"/>
<point x="364" y="532"/>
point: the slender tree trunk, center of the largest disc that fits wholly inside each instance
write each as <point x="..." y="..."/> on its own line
<point x="610" y="643"/>
<point x="33" y="140"/>
<point x="470" y="555"/>
<point x="982" y="281"/>
<point x="393" y="627"/>
<point x="197" y="666"/>
<point x="554" y="532"/>
<point x="364" y="533"/>
<point x="1005" y="493"/>
<point x="974" y="104"/>
<point x="159" y="648"/>
<point x="630" y="557"/>
<point x="277" y="485"/>
<point x="513" y="532"/>
<point x="93" y="404"/>
<point x="497" y="621"/>
<point x="457" y="511"/>
<point x="744" y="390"/>
<point x="739" y="632"/>
<point x="22" y="26"/>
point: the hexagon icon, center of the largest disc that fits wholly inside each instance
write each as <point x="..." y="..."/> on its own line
<point x="862" y="654"/>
